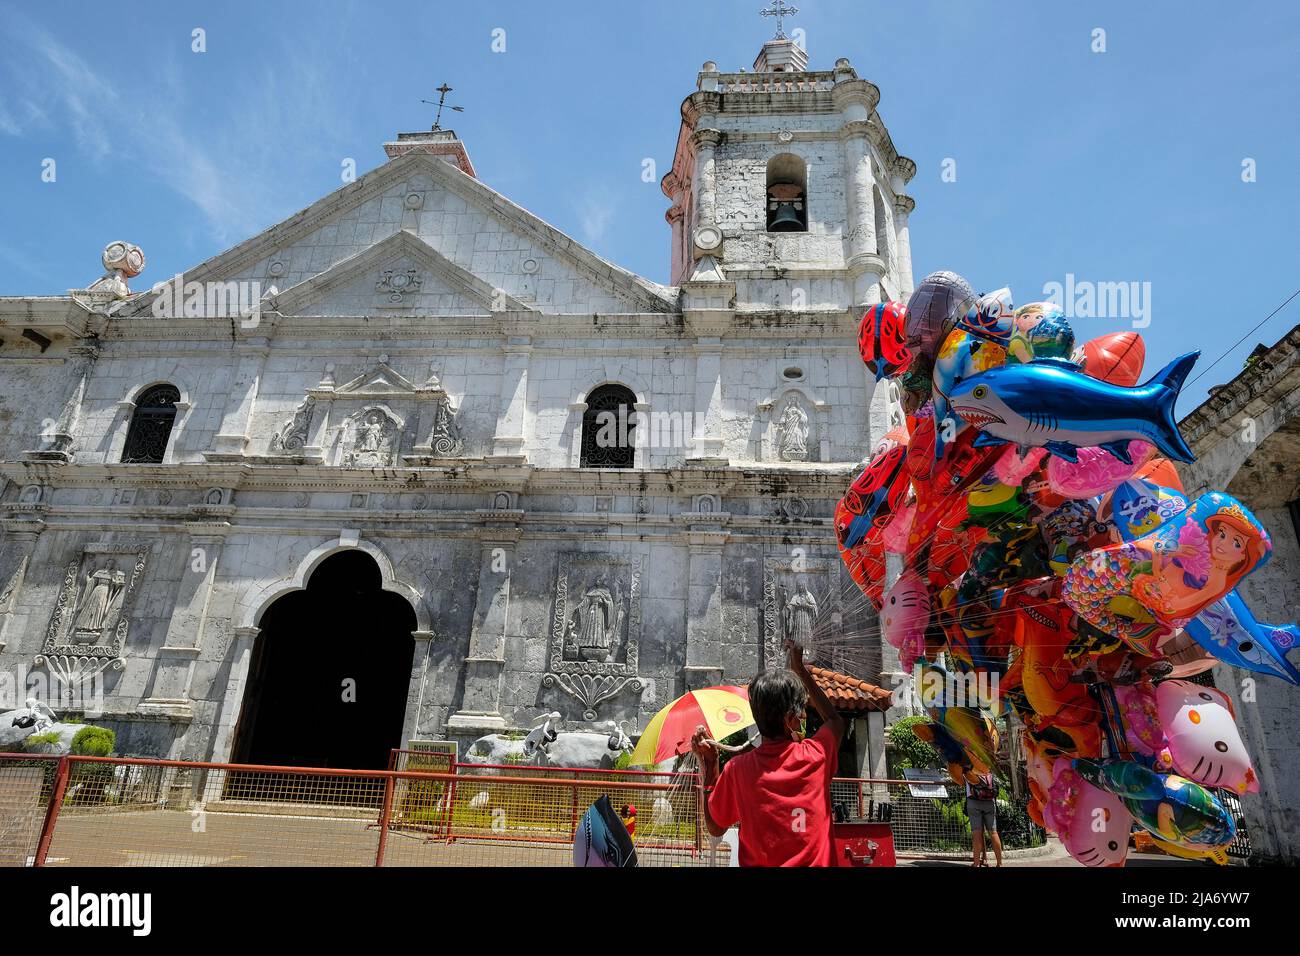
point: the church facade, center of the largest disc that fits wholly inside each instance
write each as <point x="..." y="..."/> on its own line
<point x="416" y="446"/>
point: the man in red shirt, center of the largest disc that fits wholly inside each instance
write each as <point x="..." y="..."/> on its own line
<point x="780" y="792"/>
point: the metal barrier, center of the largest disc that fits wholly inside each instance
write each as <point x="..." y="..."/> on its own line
<point x="929" y="827"/>
<point x="108" y="811"/>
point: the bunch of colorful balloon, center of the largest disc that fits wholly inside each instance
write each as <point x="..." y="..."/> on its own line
<point x="1047" y="551"/>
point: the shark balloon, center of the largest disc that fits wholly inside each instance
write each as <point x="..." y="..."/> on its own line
<point x="1050" y="404"/>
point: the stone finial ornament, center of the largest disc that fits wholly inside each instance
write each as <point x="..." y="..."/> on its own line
<point x="123" y="261"/>
<point x="123" y="257"/>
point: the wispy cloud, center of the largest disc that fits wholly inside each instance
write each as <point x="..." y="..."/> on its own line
<point x="596" y="209"/>
<point x="223" y="162"/>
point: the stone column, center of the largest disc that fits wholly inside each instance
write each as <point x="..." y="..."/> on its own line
<point x="877" y="766"/>
<point x="858" y="182"/>
<point x="508" y="442"/>
<point x="674" y="216"/>
<point x="20" y="540"/>
<point x="480" y="703"/>
<point x="865" y="265"/>
<point x="707" y="427"/>
<point x="183" y="643"/>
<point x="706" y="180"/>
<point x="241" y="657"/>
<point x="231" y="440"/>
<point x="903" y="206"/>
<point x="704" y="666"/>
<point x="419" y="679"/>
<point x="56" y="444"/>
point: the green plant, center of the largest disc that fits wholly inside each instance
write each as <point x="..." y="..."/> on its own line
<point x="93" y="742"/>
<point x="39" y="740"/>
<point x="910" y="751"/>
<point x="516" y="757"/>
<point x="624" y="761"/>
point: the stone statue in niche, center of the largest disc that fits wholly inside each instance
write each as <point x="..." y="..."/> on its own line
<point x="372" y="440"/>
<point x="594" y="627"/>
<point x="799" y="614"/>
<point x="101" y="604"/>
<point x="445" y="437"/>
<point x="792" y="430"/>
<point x="293" y="434"/>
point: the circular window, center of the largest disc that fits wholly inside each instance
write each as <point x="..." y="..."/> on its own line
<point x="792" y="373"/>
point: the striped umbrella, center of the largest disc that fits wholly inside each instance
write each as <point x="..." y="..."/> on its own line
<point x="723" y="710"/>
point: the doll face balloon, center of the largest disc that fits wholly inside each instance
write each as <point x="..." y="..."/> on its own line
<point x="1039" y="330"/>
<point x="1204" y="743"/>
<point x="1138" y="591"/>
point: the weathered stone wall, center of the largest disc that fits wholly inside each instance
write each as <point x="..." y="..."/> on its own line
<point x="1246" y="437"/>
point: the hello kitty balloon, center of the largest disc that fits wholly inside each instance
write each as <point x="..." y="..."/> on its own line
<point x="1204" y="744"/>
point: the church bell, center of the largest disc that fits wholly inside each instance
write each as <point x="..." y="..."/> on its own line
<point x="785" y="208"/>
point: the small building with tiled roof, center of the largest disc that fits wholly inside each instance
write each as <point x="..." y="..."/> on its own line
<point x="863" y="705"/>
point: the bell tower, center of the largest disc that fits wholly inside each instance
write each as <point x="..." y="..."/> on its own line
<point x="786" y="183"/>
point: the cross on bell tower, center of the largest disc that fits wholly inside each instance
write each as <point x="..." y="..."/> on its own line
<point x="780" y="11"/>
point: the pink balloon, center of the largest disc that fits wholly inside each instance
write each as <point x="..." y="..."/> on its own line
<point x="1097" y="471"/>
<point x="1092" y="824"/>
<point x="1012" y="469"/>
<point x="895" y="534"/>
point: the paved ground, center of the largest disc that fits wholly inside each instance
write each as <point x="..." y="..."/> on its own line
<point x="183" y="838"/>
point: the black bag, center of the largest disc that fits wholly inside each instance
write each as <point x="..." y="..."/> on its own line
<point x="984" y="788"/>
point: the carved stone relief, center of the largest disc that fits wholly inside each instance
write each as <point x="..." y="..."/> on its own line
<point x="801" y="601"/>
<point x="596" y="628"/>
<point x="370" y="438"/>
<point x="88" y="628"/>
<point x="444" y="437"/>
<point x="398" y="286"/>
<point x="294" y="433"/>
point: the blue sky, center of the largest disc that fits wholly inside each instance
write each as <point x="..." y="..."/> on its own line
<point x="1122" y="166"/>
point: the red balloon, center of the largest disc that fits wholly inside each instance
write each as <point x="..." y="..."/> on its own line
<point x="1116" y="358"/>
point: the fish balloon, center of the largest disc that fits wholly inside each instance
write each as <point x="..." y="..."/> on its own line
<point x="1050" y="404"/>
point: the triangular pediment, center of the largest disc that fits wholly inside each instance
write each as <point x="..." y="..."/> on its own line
<point x="472" y="238"/>
<point x="401" y="274"/>
<point x="379" y="380"/>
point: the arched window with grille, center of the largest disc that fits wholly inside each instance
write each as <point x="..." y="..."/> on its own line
<point x="607" y="428"/>
<point x="151" y="425"/>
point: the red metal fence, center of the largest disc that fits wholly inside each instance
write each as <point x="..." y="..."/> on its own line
<point x="110" y="811"/>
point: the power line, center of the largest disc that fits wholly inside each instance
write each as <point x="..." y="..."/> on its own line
<point x="1244" y="337"/>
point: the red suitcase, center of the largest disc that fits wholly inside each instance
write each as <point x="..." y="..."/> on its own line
<point x="863" y="844"/>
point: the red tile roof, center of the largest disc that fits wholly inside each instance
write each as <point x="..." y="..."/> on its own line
<point x="850" y="694"/>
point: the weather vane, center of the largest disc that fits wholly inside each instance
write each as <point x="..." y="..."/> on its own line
<point x="780" y="11"/>
<point x="442" y="92"/>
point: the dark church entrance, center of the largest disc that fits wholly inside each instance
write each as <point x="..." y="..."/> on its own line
<point x="330" y="672"/>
